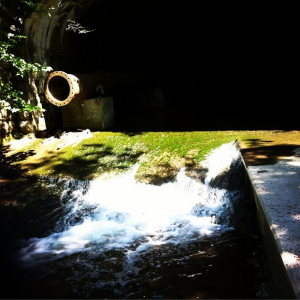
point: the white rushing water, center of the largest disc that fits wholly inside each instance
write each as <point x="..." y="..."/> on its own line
<point x="120" y="213"/>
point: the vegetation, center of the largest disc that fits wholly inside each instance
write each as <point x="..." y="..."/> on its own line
<point x="10" y="98"/>
<point x="159" y="154"/>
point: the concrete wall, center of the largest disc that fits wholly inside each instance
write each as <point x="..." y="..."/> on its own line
<point x="212" y="63"/>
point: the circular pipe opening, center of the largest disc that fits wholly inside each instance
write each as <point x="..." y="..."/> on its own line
<point x="59" y="88"/>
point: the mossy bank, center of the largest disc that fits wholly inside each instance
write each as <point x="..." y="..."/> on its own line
<point x="87" y="155"/>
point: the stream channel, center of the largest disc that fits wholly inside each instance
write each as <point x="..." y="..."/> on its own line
<point x="118" y="238"/>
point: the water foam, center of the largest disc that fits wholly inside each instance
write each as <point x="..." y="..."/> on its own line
<point x="120" y="213"/>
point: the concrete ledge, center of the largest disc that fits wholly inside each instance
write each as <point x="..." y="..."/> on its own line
<point x="93" y="114"/>
<point x="277" y="195"/>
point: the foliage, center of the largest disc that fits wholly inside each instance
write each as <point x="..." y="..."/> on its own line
<point x="10" y="98"/>
<point x="37" y="7"/>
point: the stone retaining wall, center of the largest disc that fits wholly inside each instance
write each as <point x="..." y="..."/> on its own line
<point x="12" y="19"/>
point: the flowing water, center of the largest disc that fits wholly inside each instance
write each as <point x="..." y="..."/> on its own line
<point x="118" y="238"/>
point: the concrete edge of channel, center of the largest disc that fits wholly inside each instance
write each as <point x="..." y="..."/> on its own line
<point x="283" y="278"/>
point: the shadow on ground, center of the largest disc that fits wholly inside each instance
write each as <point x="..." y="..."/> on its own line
<point x="267" y="155"/>
<point x="89" y="161"/>
<point x="9" y="168"/>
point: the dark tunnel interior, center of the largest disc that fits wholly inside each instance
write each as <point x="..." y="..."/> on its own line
<point x="59" y="87"/>
<point x="216" y="66"/>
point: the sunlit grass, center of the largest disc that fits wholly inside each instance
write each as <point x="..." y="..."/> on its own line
<point x="160" y="154"/>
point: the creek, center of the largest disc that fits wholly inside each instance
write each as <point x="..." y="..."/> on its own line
<point x="117" y="238"/>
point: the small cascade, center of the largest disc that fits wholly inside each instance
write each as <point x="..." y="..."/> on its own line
<point x="116" y="235"/>
<point x="119" y="212"/>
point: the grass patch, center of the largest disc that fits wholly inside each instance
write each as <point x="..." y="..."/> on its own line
<point x="160" y="154"/>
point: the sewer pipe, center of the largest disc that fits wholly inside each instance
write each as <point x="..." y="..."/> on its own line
<point x="62" y="88"/>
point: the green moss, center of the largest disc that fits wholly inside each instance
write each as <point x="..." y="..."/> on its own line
<point x="160" y="154"/>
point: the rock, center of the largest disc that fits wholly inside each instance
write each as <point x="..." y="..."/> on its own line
<point x="27" y="127"/>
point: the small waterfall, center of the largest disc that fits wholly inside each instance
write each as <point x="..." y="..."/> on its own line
<point x="114" y="235"/>
<point x="120" y="213"/>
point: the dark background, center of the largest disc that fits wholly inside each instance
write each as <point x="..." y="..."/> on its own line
<point x="220" y="65"/>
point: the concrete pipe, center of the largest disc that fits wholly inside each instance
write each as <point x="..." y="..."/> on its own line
<point x="62" y="88"/>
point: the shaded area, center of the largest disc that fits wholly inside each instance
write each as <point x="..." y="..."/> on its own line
<point x="12" y="178"/>
<point x="164" y="173"/>
<point x="84" y="166"/>
<point x="267" y="155"/>
<point x="183" y="118"/>
<point x="28" y="209"/>
<point x="277" y="197"/>
<point x="240" y="61"/>
<point x="89" y="160"/>
<point x="218" y="268"/>
<point x="240" y="212"/>
<point x="8" y="167"/>
<point x="12" y="189"/>
<point x="132" y="133"/>
<point x="228" y="265"/>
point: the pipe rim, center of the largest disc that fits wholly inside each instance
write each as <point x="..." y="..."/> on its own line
<point x="50" y="97"/>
